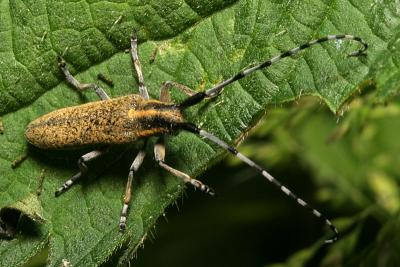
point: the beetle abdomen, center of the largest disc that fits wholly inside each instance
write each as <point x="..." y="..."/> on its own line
<point x="115" y="121"/>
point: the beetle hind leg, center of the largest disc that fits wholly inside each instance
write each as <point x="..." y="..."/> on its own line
<point x="128" y="191"/>
<point x="138" y="67"/>
<point x="159" y="152"/>
<point x="83" y="170"/>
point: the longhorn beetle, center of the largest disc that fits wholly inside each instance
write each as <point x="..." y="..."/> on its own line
<point x="125" y="119"/>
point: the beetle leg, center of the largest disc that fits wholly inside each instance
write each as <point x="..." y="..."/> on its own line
<point x="166" y="86"/>
<point x="128" y="191"/>
<point x="83" y="170"/>
<point x="135" y="58"/>
<point x="159" y="153"/>
<point x="78" y="85"/>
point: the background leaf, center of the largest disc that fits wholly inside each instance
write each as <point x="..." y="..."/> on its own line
<point x="351" y="174"/>
<point x="199" y="44"/>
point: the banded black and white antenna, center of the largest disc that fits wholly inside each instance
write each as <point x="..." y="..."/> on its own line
<point x="216" y="90"/>
<point x="194" y="129"/>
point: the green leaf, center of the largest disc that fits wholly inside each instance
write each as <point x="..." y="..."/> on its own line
<point x="199" y="44"/>
<point x="386" y="69"/>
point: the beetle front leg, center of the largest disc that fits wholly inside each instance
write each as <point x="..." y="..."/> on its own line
<point x="159" y="153"/>
<point x="83" y="170"/>
<point x="78" y="85"/>
<point x="166" y="86"/>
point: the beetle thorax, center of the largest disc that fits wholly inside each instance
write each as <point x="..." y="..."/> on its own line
<point x="153" y="117"/>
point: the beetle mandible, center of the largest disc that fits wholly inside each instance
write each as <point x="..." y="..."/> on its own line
<point x="125" y="119"/>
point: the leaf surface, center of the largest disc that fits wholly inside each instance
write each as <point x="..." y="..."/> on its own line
<point x="199" y="44"/>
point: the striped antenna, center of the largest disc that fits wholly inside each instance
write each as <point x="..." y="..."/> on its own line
<point x="216" y="90"/>
<point x="194" y="129"/>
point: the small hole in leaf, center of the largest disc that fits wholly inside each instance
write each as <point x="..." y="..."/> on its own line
<point x="8" y="223"/>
